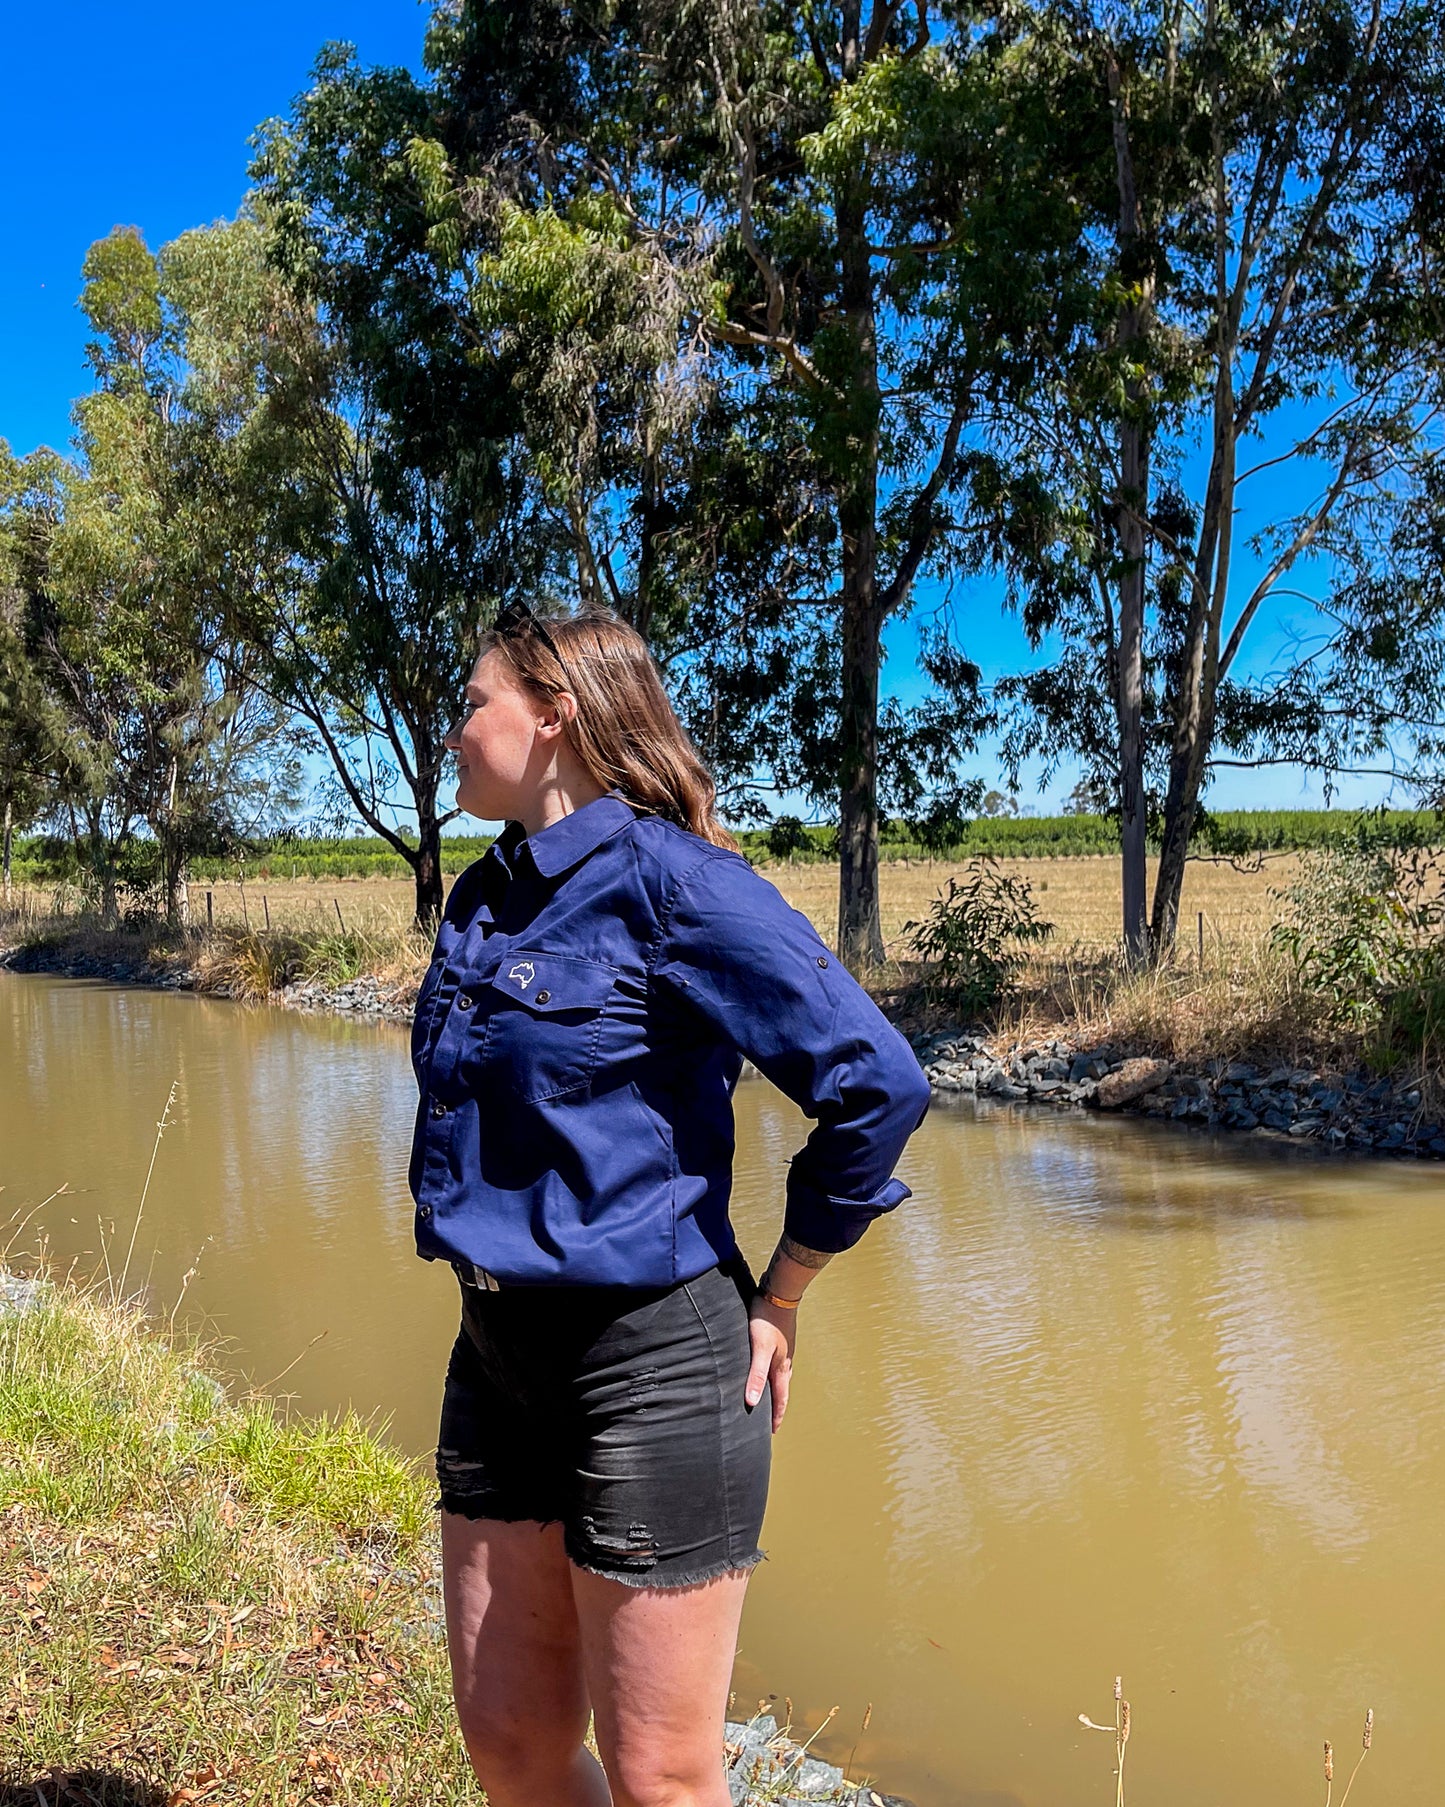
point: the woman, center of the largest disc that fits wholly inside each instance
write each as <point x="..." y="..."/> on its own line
<point x="604" y="1445"/>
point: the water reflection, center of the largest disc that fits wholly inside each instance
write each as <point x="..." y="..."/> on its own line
<point x="1102" y="1396"/>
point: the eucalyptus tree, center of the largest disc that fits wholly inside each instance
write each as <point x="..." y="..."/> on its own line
<point x="395" y="510"/>
<point x="1262" y="221"/>
<point x="125" y="620"/>
<point x="30" y="730"/>
<point x="754" y="271"/>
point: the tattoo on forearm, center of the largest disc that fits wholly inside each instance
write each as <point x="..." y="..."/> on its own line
<point x="804" y="1257"/>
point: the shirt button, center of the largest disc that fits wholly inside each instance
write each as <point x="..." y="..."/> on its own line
<point x="423" y="1210"/>
<point x="544" y="997"/>
<point x="465" y="1001"/>
<point x="438" y="1109"/>
<point x="822" y="959"/>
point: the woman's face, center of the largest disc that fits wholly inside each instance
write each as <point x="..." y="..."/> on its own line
<point x="506" y="742"/>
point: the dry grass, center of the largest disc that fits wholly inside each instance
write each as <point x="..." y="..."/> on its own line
<point x="1246" y="1001"/>
<point x="1079" y="895"/>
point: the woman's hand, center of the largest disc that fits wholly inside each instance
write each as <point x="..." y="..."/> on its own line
<point x="774" y="1333"/>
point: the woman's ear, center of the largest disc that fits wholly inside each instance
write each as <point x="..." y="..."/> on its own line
<point x="555" y="715"/>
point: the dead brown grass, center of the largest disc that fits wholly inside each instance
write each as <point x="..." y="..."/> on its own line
<point x="1079" y="895"/>
<point x="1244" y="1002"/>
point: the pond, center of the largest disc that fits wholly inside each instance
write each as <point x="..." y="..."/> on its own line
<point x="1102" y="1397"/>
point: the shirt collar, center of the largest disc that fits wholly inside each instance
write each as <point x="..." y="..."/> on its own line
<point x="572" y="839"/>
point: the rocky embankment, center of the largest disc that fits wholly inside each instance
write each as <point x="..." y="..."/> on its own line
<point x="1358" y="1110"/>
<point x="365" y="996"/>
<point x="766" y="1765"/>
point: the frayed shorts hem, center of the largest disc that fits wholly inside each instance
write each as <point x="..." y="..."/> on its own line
<point x="657" y="1575"/>
<point x="689" y="1578"/>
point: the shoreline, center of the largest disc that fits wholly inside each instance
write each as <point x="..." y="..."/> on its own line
<point x="1332" y="1110"/>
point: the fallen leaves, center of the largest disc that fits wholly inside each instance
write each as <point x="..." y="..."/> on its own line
<point x="195" y="1786"/>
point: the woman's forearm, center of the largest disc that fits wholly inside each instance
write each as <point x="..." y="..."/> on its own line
<point x="793" y="1268"/>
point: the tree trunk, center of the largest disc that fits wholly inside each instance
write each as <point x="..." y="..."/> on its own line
<point x="102" y="867"/>
<point x="177" y="896"/>
<point x="1198" y="668"/>
<point x="860" y="930"/>
<point x="1198" y="680"/>
<point x="1129" y="701"/>
<point x="1132" y="518"/>
<point x="427" y="869"/>
<point x="1186" y="779"/>
<point x="649" y="526"/>
<point x="860" y="924"/>
<point x="173" y="861"/>
<point x="9" y="837"/>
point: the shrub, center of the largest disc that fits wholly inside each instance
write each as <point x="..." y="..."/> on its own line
<point x="975" y="935"/>
<point x="787" y="836"/>
<point x="1365" y="930"/>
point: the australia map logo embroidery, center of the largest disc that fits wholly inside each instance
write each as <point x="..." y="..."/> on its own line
<point x="523" y="972"/>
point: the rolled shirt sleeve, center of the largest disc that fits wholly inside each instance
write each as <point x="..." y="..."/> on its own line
<point x="757" y="970"/>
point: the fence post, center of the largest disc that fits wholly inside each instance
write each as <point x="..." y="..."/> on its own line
<point x="265" y="905"/>
<point x="210" y="913"/>
<point x="1201" y="942"/>
<point x="337" y="902"/>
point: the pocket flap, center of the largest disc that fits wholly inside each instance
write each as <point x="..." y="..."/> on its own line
<point x="553" y="983"/>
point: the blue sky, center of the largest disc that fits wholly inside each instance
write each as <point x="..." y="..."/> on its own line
<point x="140" y="116"/>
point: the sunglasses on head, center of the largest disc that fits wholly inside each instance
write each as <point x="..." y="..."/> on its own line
<point x="517" y="618"/>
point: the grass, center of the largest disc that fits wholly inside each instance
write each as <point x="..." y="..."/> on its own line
<point x="200" y="1596"/>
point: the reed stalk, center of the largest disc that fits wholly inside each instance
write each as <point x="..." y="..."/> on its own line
<point x="118" y="1292"/>
<point x="1365" y="1743"/>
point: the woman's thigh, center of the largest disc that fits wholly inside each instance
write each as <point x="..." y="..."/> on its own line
<point x="658" y="1663"/>
<point x="512" y="1631"/>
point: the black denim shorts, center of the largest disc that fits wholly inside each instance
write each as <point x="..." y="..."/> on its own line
<point x="619" y="1412"/>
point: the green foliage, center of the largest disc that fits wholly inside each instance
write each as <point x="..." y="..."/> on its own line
<point x="787" y="836"/>
<point x="336" y="1474"/>
<point x="336" y="958"/>
<point x="153" y="738"/>
<point x="1364" y="926"/>
<point x="1289" y="151"/>
<point x="391" y="499"/>
<point x="976" y="935"/>
<point x="1237" y="834"/>
<point x="99" y="1414"/>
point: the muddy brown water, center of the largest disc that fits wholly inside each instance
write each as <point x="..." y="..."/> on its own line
<point x="1101" y="1397"/>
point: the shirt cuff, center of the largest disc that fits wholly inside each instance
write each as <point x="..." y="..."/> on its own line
<point x="819" y="1221"/>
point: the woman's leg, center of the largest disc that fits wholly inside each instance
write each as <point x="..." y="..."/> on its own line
<point x="658" y="1662"/>
<point x="517" y="1667"/>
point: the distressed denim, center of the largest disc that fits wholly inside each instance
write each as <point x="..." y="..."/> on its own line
<point x="619" y="1412"/>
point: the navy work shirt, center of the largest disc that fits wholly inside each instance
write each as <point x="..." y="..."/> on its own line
<point x="577" y="1040"/>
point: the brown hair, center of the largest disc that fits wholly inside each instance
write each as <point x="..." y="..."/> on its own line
<point x="624" y="731"/>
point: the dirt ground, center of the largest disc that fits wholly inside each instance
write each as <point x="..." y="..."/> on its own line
<point x="1080" y="896"/>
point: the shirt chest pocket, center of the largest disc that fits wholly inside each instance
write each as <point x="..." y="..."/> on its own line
<point x="543" y="1024"/>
